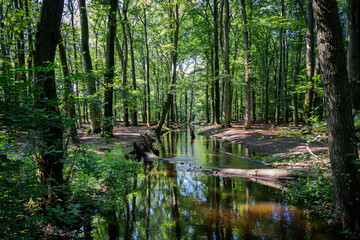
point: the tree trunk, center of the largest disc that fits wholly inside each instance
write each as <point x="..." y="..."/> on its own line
<point x="247" y="124"/>
<point x="295" y="94"/>
<point x="147" y="72"/>
<point x="173" y="64"/>
<point x="90" y="78"/>
<point x="124" y="63"/>
<point x="341" y="136"/>
<point x="310" y="60"/>
<point x="109" y="72"/>
<point x="50" y="126"/>
<point x="216" y="65"/>
<point x="280" y="69"/>
<point x="354" y="51"/>
<point x="69" y="95"/>
<point x="226" y="120"/>
<point x="134" y="121"/>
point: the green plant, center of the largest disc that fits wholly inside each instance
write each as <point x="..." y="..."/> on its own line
<point x="315" y="194"/>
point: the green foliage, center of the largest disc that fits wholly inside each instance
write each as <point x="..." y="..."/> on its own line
<point x="99" y="181"/>
<point x="315" y="194"/>
<point x="19" y="187"/>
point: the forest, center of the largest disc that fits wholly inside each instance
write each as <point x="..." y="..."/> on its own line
<point x="78" y="78"/>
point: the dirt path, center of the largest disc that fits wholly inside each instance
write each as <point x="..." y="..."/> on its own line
<point x="263" y="138"/>
<point x="123" y="135"/>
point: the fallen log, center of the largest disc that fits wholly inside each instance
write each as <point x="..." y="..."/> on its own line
<point x="145" y="148"/>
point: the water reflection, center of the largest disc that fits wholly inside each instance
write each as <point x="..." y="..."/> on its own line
<point x="178" y="146"/>
<point x="167" y="202"/>
<point x="171" y="203"/>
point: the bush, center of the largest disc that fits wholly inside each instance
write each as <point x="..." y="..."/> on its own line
<point x="314" y="194"/>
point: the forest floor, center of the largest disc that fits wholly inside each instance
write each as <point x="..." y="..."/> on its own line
<point x="284" y="145"/>
<point x="283" y="148"/>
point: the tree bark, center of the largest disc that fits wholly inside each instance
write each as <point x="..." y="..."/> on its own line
<point x="90" y="78"/>
<point x="50" y="141"/>
<point x="310" y="60"/>
<point x="125" y="62"/>
<point x="280" y="69"/>
<point x="134" y="121"/>
<point x="341" y="136"/>
<point x="109" y="72"/>
<point x="226" y="120"/>
<point x="354" y="51"/>
<point x="69" y="94"/>
<point x="247" y="124"/>
<point x="295" y="94"/>
<point x="216" y="65"/>
<point x="147" y="72"/>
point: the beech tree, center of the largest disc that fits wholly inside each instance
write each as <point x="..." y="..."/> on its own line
<point x="50" y="143"/>
<point x="343" y="150"/>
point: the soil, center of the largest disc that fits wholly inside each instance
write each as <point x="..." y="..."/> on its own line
<point x="262" y="138"/>
<point x="125" y="136"/>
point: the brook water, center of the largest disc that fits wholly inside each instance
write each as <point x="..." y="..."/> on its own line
<point x="170" y="202"/>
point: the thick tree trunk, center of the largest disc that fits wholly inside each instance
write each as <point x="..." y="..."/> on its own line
<point x="50" y="126"/>
<point x="354" y="51"/>
<point x="341" y="136"/>
<point x="90" y="78"/>
<point x="310" y="60"/>
<point x="247" y="124"/>
<point x="109" y="74"/>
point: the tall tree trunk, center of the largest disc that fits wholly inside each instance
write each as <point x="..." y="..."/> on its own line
<point x="30" y="41"/>
<point x="216" y="65"/>
<point x="173" y="64"/>
<point x="226" y="120"/>
<point x="295" y="94"/>
<point x="69" y="94"/>
<point x="354" y="51"/>
<point x="20" y="46"/>
<point x="280" y="69"/>
<point x="147" y="72"/>
<point x="50" y="141"/>
<point x="341" y="136"/>
<point x="90" y="78"/>
<point x="125" y="62"/>
<point x="109" y="72"/>
<point x="247" y="124"/>
<point x="134" y="121"/>
<point x="310" y="60"/>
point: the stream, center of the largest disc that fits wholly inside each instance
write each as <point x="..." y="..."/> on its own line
<point x="170" y="202"/>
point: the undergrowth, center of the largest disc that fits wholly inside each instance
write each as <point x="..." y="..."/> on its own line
<point x="94" y="183"/>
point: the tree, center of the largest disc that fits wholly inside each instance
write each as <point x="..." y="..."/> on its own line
<point x="50" y="144"/>
<point x="226" y="120"/>
<point x="216" y="65"/>
<point x="310" y="60"/>
<point x="341" y="137"/>
<point x="109" y="74"/>
<point x="176" y="19"/>
<point x="354" y="52"/>
<point x="247" y="46"/>
<point x="90" y="78"/>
